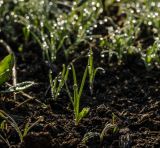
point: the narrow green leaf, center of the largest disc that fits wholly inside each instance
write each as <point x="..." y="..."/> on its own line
<point x="6" y="66"/>
<point x="82" y="83"/>
<point x="69" y="93"/>
<point x="13" y="123"/>
<point x="19" y="87"/>
<point x="91" y="68"/>
<point x="64" y="77"/>
<point x="83" y="113"/>
<point x="26" y="129"/>
<point x="61" y="42"/>
<point x="76" y="101"/>
<point x="74" y="75"/>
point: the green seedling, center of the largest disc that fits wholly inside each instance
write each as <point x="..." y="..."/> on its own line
<point x="58" y="82"/>
<point x="95" y="136"/>
<point x="151" y="55"/>
<point x="13" y="123"/>
<point x="3" y="126"/>
<point x="75" y="99"/>
<point x="109" y="127"/>
<point x="26" y="33"/>
<point x="6" y="66"/>
<point x="92" y="70"/>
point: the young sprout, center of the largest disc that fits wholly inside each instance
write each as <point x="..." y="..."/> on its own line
<point x="113" y="127"/>
<point x="92" y="71"/>
<point x="58" y="82"/>
<point x="75" y="99"/>
<point x="13" y="123"/>
<point x="151" y="55"/>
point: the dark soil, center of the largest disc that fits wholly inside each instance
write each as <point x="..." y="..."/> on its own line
<point x="127" y="90"/>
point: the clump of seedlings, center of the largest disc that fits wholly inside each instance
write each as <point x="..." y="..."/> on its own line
<point x="151" y="55"/>
<point x="98" y="138"/>
<point x="91" y="138"/>
<point x="109" y="128"/>
<point x="58" y="82"/>
<point x="76" y="97"/>
<point x="21" y="133"/>
<point x="92" y="70"/>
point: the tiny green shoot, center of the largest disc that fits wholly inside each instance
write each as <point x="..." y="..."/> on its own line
<point x="113" y="127"/>
<point x="92" y="70"/>
<point x="13" y="123"/>
<point x="75" y="99"/>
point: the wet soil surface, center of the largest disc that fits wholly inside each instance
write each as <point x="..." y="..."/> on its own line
<point x="128" y="92"/>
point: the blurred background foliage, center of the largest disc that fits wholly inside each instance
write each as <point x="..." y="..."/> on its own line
<point x="115" y="27"/>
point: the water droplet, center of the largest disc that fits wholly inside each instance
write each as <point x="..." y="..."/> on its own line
<point x="101" y="10"/>
<point x="103" y="71"/>
<point x="157" y="38"/>
<point x="28" y="27"/>
<point x="133" y="21"/>
<point x="73" y="23"/>
<point x="114" y="41"/>
<point x="94" y="8"/>
<point x="93" y="3"/>
<point x="156" y="14"/>
<point x="80" y="27"/>
<point x="95" y="26"/>
<point x="27" y="17"/>
<point x="153" y="4"/>
<point x="98" y="5"/>
<point x="149" y="23"/>
<point x="105" y="20"/>
<point x="102" y="55"/>
<point x="50" y="3"/>
<point x="42" y="2"/>
<point x="138" y="10"/>
<point x="74" y="3"/>
<point x="41" y="24"/>
<point x="7" y="17"/>
<point x="101" y="22"/>
<point x="87" y="31"/>
<point x="69" y="67"/>
<point x="1" y="3"/>
<point x="61" y="28"/>
<point x="152" y="55"/>
<point x="101" y="38"/>
<point x="125" y="34"/>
